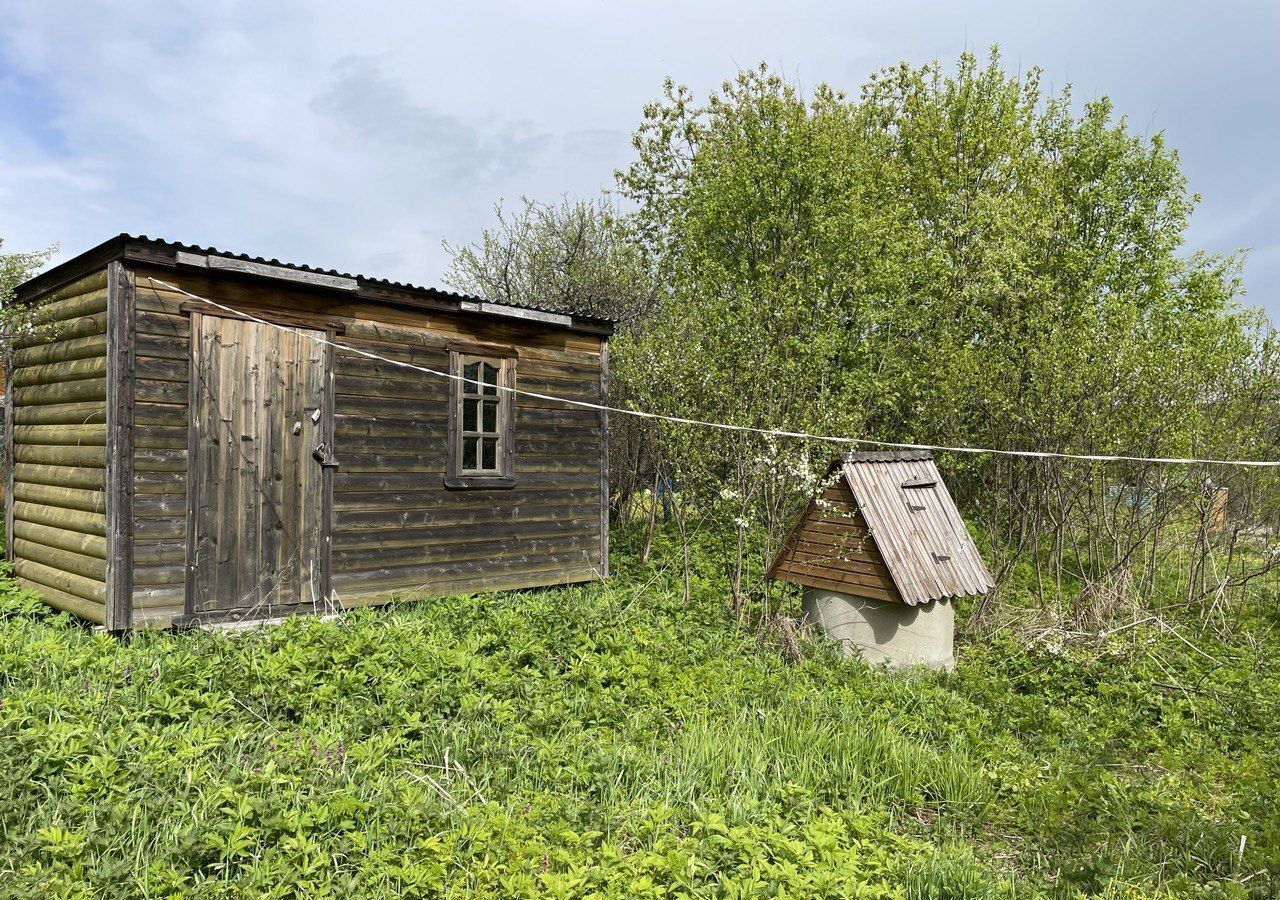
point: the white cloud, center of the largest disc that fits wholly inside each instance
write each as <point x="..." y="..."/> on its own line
<point x="374" y="110"/>
<point x="359" y="137"/>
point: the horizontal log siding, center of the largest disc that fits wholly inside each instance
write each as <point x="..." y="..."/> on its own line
<point x="59" y="446"/>
<point x="163" y="348"/>
<point x="397" y="531"/>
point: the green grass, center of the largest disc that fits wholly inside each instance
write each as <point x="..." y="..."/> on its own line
<point x="614" y="741"/>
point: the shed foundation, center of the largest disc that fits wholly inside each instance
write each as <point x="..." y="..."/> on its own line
<point x="883" y="631"/>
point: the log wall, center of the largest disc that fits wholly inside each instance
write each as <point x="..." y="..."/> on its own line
<point x="396" y="530"/>
<point x="56" y="515"/>
<point x="161" y="384"/>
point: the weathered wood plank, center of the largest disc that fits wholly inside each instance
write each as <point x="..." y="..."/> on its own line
<point x="61" y="476"/>
<point x="62" y="392"/>
<point x="148" y="391"/>
<point x="67" y="582"/>
<point x="158" y="574"/>
<point x="803" y="555"/>
<point x="150" y="368"/>
<point x="56" y="373"/>
<point x="419" y="414"/>
<point x="167" y="414"/>
<point x="120" y="436"/>
<point x="71" y="519"/>
<point x="577" y="506"/>
<point x="91" y="610"/>
<point x="468" y="572"/>
<point x="478" y="509"/>
<point x="161" y="459"/>
<point x="61" y="435"/>
<point x="90" y="413"/>
<point x="84" y="326"/>
<point x="414" y="435"/>
<point x="439" y="496"/>
<point x="166" y="347"/>
<point x="75" y="541"/>
<point x="62" y="350"/>
<point x="419" y="389"/>
<point x="89" y="567"/>
<point x="154" y="437"/>
<point x="557" y="414"/>
<point x="492" y="551"/>
<point x="163" y="325"/>
<point x="61" y="497"/>
<point x="161" y="552"/>
<point x="159" y="529"/>
<point x="352" y="598"/>
<point x="846" y="581"/>
<point x="159" y="506"/>
<point x="153" y="601"/>
<point x="159" y="482"/>
<point x="90" y="457"/>
<point x="59" y="307"/>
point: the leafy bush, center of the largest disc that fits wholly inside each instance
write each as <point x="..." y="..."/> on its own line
<point x="612" y="741"/>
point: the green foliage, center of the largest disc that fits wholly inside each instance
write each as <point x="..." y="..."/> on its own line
<point x="614" y="741"/>
<point x="950" y="258"/>
<point x="16" y="268"/>
<point x="574" y="256"/>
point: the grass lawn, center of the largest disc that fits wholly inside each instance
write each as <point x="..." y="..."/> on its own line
<point x="613" y="741"/>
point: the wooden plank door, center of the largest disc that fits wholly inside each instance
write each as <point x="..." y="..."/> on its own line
<point x="257" y="499"/>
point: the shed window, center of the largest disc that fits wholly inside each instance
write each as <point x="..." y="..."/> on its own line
<point x="481" y="420"/>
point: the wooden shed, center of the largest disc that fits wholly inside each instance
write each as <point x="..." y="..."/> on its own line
<point x="188" y="445"/>
<point x="881" y="553"/>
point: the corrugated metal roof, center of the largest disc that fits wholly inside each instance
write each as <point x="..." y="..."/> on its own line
<point x="916" y="526"/>
<point x="887" y="455"/>
<point x="113" y="247"/>
<point x="302" y="267"/>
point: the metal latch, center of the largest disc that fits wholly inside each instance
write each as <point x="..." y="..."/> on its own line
<point x="323" y="456"/>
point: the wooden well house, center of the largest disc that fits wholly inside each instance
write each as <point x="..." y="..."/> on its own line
<point x="882" y="553"/>
<point x="196" y="436"/>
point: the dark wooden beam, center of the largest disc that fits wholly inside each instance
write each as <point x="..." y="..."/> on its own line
<point x="121" y="362"/>
<point x="604" y="460"/>
<point x="9" y="463"/>
<point x="327" y="437"/>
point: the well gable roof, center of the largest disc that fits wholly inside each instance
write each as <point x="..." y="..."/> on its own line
<point x="913" y="523"/>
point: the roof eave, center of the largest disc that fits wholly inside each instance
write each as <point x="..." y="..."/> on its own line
<point x="167" y="254"/>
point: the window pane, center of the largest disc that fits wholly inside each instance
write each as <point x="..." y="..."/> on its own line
<point x="490" y="416"/>
<point x="469" y="413"/>
<point x="490" y="453"/>
<point x="469" y="371"/>
<point x="490" y="378"/>
<point x="469" y="453"/>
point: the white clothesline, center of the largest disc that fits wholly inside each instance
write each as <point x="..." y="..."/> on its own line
<point x="772" y="432"/>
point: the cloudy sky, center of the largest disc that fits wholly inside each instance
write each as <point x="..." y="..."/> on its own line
<point x="359" y="136"/>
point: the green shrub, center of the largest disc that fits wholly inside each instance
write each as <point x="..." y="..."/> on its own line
<point x="612" y="741"/>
